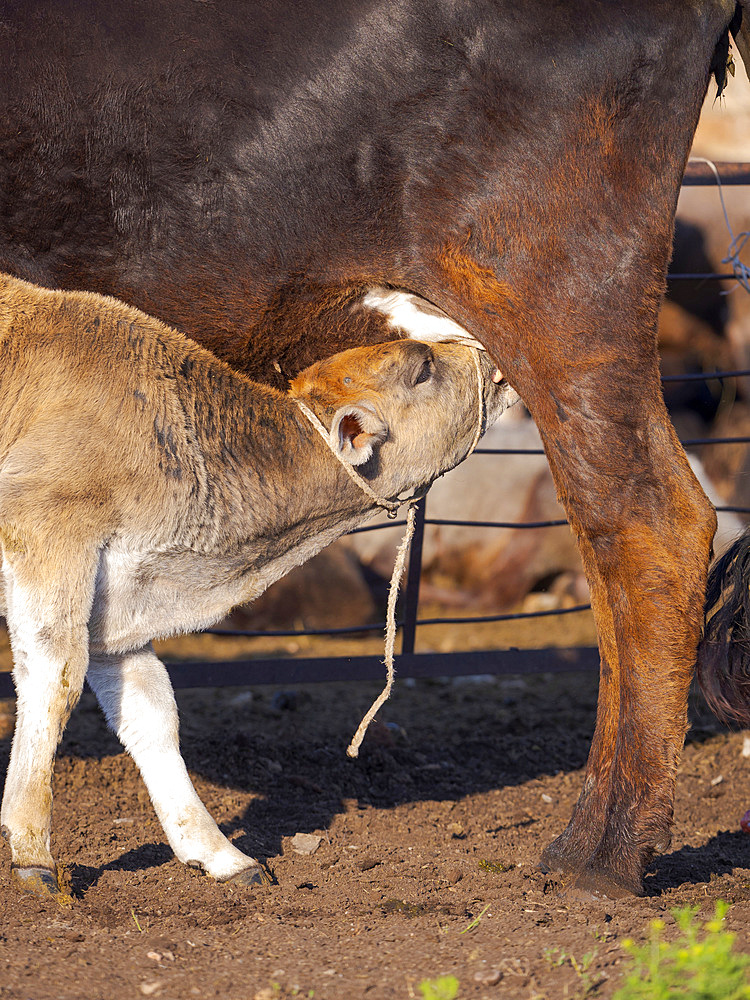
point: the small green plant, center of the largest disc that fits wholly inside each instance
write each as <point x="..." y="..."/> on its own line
<point x="558" y="957"/>
<point x="700" y="965"/>
<point x="476" y="921"/>
<point x="581" y="967"/>
<point x="442" y="988"/>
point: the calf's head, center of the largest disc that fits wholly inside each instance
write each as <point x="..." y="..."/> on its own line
<point x="404" y="411"/>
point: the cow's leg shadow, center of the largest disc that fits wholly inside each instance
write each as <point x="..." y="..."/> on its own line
<point x="721" y="855"/>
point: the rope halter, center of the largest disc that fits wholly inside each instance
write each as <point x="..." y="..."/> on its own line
<point x="392" y="507"/>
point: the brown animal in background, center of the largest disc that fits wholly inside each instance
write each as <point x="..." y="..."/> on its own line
<point x="146" y="488"/>
<point x="267" y="178"/>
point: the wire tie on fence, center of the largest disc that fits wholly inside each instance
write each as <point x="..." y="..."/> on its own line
<point x="392" y="506"/>
<point x="735" y="248"/>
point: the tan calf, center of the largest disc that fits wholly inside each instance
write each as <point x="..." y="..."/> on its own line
<point x="146" y="488"/>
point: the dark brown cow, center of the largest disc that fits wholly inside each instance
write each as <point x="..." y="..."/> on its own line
<point x="259" y="175"/>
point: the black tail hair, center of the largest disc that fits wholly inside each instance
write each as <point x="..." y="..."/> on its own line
<point x="724" y="651"/>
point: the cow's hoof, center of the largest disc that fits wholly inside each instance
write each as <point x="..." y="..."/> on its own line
<point x="561" y="858"/>
<point x="592" y="883"/>
<point x="40" y="881"/>
<point x="255" y="875"/>
<point x="587" y="882"/>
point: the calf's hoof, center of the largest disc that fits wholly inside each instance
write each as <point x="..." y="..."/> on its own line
<point x="255" y="875"/>
<point x="39" y="881"/>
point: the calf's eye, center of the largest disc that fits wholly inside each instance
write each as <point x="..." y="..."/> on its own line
<point x="424" y="373"/>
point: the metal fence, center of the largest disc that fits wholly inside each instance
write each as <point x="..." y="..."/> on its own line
<point x="409" y="663"/>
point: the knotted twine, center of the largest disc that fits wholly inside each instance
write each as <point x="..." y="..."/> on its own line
<point x="392" y="506"/>
<point x="741" y="270"/>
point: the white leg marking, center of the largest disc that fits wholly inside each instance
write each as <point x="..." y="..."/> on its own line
<point x="137" y="698"/>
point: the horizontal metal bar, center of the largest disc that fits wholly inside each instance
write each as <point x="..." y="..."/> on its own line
<point x="512" y="617"/>
<point x="453" y="523"/>
<point x="508" y="451"/>
<point x="377" y="527"/>
<point x="700" y="174"/>
<point x="694" y="442"/>
<point x="370" y="668"/>
<point x="688" y="442"/>
<point x="706" y="376"/>
<point x="286" y="633"/>
<point x="362" y="668"/>
<point x="710" y="276"/>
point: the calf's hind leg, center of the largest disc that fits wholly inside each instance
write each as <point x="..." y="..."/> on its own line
<point x="136" y="695"/>
<point x="48" y="597"/>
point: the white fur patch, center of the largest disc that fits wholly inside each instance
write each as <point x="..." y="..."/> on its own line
<point x="417" y="317"/>
<point x="136" y="695"/>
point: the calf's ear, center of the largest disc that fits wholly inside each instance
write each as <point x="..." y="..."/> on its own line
<point x="355" y="431"/>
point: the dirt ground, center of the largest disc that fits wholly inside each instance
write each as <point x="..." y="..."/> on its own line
<point x="427" y="861"/>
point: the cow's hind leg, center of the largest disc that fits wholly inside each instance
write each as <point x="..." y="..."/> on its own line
<point x="645" y="529"/>
<point x="136" y="695"/>
<point x="48" y="596"/>
<point x="587" y="368"/>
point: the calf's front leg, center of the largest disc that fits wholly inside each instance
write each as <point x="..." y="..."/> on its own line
<point x="136" y="695"/>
